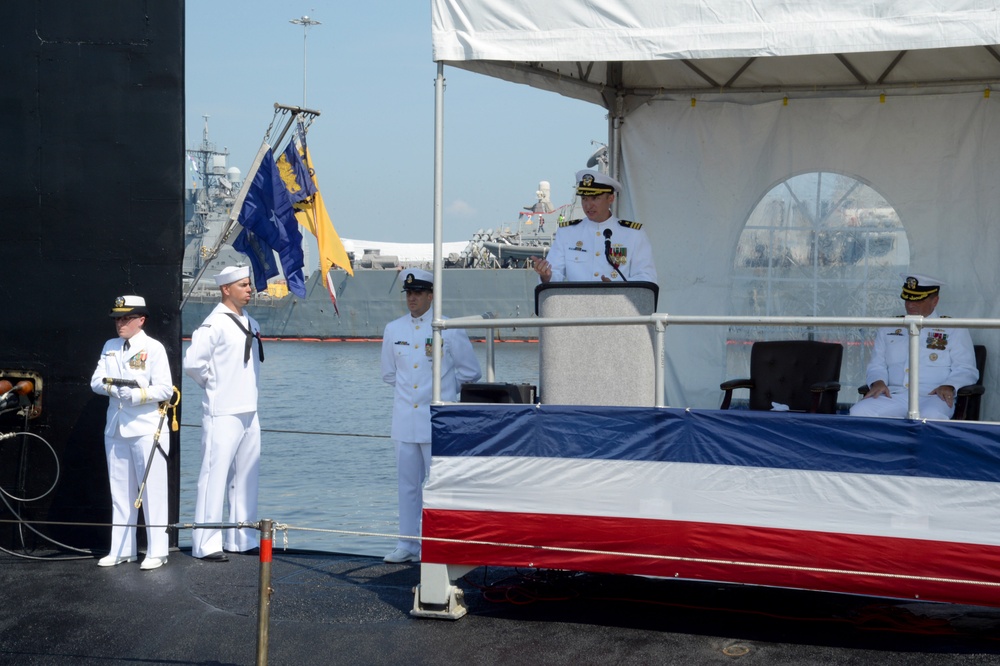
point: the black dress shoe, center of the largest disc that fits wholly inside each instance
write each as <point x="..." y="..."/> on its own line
<point x="215" y="557"/>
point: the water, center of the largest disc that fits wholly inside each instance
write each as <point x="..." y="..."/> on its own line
<point x="326" y="458"/>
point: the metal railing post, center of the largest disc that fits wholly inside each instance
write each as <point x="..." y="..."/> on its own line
<point x="264" y="590"/>
<point x="913" y="385"/>
<point x="491" y="373"/>
<point x="661" y="361"/>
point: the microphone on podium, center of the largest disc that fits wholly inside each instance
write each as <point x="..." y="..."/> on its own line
<point x="607" y="254"/>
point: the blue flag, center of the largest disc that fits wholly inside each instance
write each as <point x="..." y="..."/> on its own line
<point x="269" y="226"/>
<point x="295" y="174"/>
<point x="261" y="257"/>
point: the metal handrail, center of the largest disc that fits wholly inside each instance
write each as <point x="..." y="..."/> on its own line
<point x="659" y="321"/>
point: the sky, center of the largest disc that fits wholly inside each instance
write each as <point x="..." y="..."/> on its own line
<point x="369" y="70"/>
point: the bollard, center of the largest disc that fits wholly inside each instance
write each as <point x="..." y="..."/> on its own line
<point x="264" y="590"/>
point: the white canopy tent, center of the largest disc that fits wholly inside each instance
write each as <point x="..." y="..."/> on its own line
<point x="717" y="107"/>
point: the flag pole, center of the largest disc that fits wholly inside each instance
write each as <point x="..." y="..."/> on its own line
<point x="295" y="111"/>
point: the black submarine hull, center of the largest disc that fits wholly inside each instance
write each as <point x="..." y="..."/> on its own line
<point x="92" y="121"/>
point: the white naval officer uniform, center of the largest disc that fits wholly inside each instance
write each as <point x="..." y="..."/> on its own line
<point x="407" y="366"/>
<point x="128" y="440"/>
<point x="577" y="251"/>
<point x="947" y="357"/>
<point x="230" y="440"/>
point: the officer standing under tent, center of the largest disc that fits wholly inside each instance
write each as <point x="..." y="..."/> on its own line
<point x="947" y="360"/>
<point x="600" y="248"/>
<point x="224" y="359"/>
<point x="408" y="367"/>
<point x="134" y="373"/>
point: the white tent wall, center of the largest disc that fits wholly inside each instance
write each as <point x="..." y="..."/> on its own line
<point x="694" y="173"/>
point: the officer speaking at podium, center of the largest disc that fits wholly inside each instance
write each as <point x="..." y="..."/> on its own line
<point x="600" y="248"/>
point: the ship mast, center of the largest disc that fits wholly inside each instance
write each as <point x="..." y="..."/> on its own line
<point x="213" y="194"/>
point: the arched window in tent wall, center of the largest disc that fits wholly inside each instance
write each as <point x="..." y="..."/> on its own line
<point x="820" y="244"/>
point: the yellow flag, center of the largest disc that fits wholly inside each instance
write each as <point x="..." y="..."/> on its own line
<point x="311" y="214"/>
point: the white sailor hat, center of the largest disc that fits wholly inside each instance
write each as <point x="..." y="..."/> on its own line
<point x="590" y="182"/>
<point x="918" y="287"/>
<point x="129" y="305"/>
<point x="416" y="279"/>
<point x="231" y="274"/>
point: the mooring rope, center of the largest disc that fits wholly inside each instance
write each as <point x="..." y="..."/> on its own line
<point x="285" y="528"/>
<point x="304" y="432"/>
<point x="671" y="558"/>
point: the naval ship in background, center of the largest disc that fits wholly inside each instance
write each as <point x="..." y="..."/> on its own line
<point x="488" y="275"/>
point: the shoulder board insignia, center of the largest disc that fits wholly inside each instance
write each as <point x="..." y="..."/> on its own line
<point x="569" y="223"/>
<point x="629" y="224"/>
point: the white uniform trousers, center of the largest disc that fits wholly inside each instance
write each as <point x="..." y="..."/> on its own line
<point x="230" y="461"/>
<point x="127" y="458"/>
<point x="413" y="463"/>
<point x="898" y="406"/>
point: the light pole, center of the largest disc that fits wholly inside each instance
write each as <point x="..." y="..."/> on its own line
<point x="305" y="22"/>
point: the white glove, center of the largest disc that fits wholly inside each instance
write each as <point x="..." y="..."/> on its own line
<point x="125" y="393"/>
<point x="113" y="391"/>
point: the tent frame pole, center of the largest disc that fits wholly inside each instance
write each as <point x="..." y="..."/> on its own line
<point x="438" y="231"/>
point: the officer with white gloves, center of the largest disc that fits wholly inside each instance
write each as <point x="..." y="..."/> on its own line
<point x="224" y="359"/>
<point x="408" y="367"/>
<point x="947" y="360"/>
<point x="600" y="248"/>
<point x="134" y="373"/>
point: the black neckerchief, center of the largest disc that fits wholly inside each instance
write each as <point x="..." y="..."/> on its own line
<point x="250" y="339"/>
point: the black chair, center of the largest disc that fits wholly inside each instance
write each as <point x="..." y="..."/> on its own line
<point x="967" y="398"/>
<point x="803" y="374"/>
<point x="970" y="397"/>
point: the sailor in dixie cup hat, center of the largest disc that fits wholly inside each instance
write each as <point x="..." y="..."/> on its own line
<point x="224" y="359"/>
<point x="600" y="247"/>
<point x="231" y="274"/>
<point x="134" y="372"/>
<point x="407" y="367"/>
<point x="947" y="359"/>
